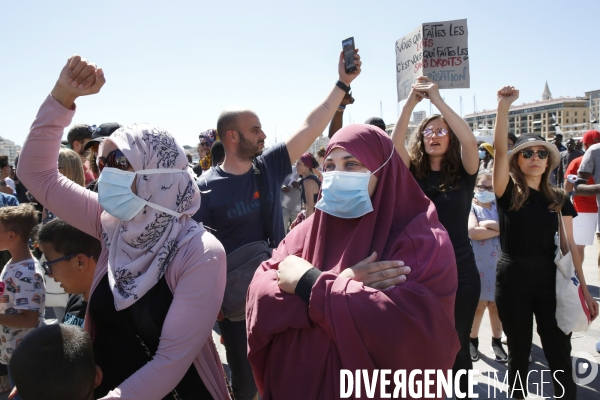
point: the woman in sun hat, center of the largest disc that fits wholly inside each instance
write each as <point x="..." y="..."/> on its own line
<point x="528" y="210"/>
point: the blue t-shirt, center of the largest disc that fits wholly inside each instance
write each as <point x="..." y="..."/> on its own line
<point x="231" y="206"/>
<point x="8" y="200"/>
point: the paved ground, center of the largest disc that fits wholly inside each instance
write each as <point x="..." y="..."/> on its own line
<point x="582" y="342"/>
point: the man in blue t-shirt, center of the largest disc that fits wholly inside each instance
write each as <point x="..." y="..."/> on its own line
<point x="230" y="201"/>
<point x="8" y="200"/>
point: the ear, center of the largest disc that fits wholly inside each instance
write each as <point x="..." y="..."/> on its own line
<point x="232" y="136"/>
<point x="82" y="262"/>
<point x="98" y="378"/>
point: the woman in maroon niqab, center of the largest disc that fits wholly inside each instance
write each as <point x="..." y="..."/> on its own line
<point x="297" y="352"/>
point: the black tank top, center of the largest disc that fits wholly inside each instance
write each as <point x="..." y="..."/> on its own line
<point x="302" y="195"/>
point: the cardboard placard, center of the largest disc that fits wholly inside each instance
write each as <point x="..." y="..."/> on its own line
<point x="439" y="50"/>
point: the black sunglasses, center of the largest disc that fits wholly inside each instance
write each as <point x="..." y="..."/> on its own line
<point x="114" y="159"/>
<point x="204" y="144"/>
<point x="47" y="265"/>
<point x="542" y="154"/>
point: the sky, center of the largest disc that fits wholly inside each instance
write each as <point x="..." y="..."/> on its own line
<point x="178" y="63"/>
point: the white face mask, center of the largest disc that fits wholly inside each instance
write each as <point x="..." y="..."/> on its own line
<point x="117" y="199"/>
<point x="346" y="194"/>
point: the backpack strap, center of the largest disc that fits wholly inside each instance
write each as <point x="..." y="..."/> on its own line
<point x="264" y="203"/>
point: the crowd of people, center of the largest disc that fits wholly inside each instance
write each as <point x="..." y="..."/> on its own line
<point x="371" y="254"/>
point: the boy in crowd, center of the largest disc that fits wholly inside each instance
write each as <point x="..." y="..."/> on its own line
<point x="22" y="291"/>
<point x="55" y="362"/>
<point x="72" y="257"/>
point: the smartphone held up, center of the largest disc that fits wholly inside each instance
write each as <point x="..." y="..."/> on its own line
<point x="348" y="49"/>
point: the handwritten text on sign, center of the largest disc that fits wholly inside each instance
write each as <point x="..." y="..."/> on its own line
<point x="438" y="50"/>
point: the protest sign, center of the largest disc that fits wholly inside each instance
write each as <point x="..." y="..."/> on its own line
<point x="438" y="50"/>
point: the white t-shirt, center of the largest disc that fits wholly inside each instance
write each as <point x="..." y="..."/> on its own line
<point x="21" y="288"/>
<point x="11" y="183"/>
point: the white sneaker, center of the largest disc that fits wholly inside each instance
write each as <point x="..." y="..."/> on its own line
<point x="503" y="338"/>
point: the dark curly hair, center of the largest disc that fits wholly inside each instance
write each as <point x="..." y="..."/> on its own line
<point x="452" y="168"/>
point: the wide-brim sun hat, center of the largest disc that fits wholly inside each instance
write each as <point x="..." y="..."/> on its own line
<point x="489" y="148"/>
<point x="530" y="140"/>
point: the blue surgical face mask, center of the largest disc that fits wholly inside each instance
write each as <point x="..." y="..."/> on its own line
<point x="346" y="194"/>
<point x="485" y="197"/>
<point x="481" y="154"/>
<point x="117" y="199"/>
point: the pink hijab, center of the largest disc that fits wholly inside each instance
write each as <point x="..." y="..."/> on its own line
<point x="140" y="250"/>
<point x="296" y="352"/>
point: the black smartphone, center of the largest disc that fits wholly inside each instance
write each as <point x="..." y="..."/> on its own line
<point x="348" y="48"/>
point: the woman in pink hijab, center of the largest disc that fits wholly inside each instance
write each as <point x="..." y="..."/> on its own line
<point x="160" y="278"/>
<point x="336" y="293"/>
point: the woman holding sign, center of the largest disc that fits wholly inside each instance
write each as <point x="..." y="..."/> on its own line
<point x="444" y="160"/>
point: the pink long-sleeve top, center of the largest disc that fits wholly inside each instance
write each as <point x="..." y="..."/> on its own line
<point x="196" y="276"/>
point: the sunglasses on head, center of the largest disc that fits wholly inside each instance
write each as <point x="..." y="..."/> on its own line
<point x="440" y="132"/>
<point x="114" y="159"/>
<point x="542" y="154"/>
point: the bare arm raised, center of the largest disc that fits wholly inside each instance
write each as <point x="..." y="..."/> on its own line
<point x="425" y="88"/>
<point x="338" y="118"/>
<point x="399" y="132"/>
<point x="506" y="96"/>
<point x="318" y="119"/>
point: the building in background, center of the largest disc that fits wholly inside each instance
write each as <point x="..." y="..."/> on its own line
<point x="594" y="97"/>
<point x="8" y="148"/>
<point x="546" y="117"/>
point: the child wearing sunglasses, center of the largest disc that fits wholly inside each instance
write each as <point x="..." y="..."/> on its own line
<point x="484" y="234"/>
<point x="22" y="290"/>
<point x="71" y="257"/>
<point x="528" y="210"/>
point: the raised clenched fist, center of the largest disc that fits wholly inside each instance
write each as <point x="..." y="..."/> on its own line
<point x="79" y="77"/>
